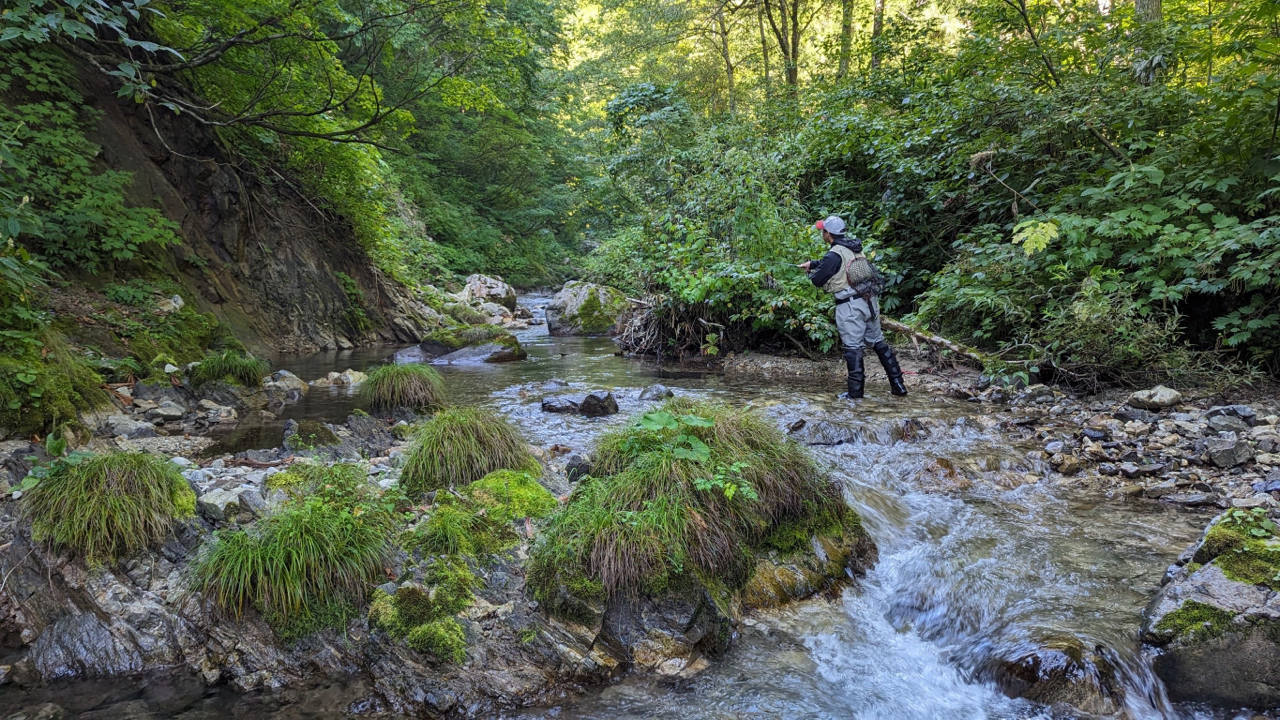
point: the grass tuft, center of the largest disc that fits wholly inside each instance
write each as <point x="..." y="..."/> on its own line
<point x="231" y="366"/>
<point x="689" y="500"/>
<point x="465" y="314"/>
<point x="460" y="446"/>
<point x="320" y="548"/>
<point x="409" y="386"/>
<point x="106" y="507"/>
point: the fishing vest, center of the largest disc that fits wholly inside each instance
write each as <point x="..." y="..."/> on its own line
<point x="855" y="272"/>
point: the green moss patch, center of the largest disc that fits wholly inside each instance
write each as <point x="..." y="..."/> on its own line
<point x="460" y="446"/>
<point x="465" y="314"/>
<point x="421" y="615"/>
<point x="512" y="495"/>
<point x="1195" y="621"/>
<point x="326" y="547"/>
<point x="105" y="507"/>
<point x="45" y="385"/>
<point x="456" y="338"/>
<point x="689" y="495"/>
<point x="409" y="386"/>
<point x="1243" y="544"/>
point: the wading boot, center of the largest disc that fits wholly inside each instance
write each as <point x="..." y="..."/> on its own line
<point x="857" y="376"/>
<point x="897" y="385"/>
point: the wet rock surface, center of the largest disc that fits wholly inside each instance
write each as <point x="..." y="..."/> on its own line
<point x="583" y="308"/>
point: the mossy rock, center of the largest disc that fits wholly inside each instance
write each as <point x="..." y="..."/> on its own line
<point x="582" y="308"/>
<point x="810" y="561"/>
<point x="447" y="340"/>
<point x="42" y="390"/>
<point x="310" y="435"/>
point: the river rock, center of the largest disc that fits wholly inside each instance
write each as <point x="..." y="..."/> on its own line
<point x="559" y="404"/>
<point x="167" y="410"/>
<point x="489" y="289"/>
<point x="484" y="353"/>
<point x="1157" y="398"/>
<point x="823" y="432"/>
<point x="656" y="392"/>
<point x="285" y="384"/>
<point x="1066" y="464"/>
<point x="1228" y="423"/>
<point x="215" y="413"/>
<point x="577" y="468"/>
<point x="1243" y="412"/>
<point x="1218" y="639"/>
<point x="1061" y="671"/>
<point x="583" y="308"/>
<point x="1228" y="452"/>
<point x="598" y="405"/>
<point x="1195" y="499"/>
<point x="221" y="504"/>
<point x="118" y="425"/>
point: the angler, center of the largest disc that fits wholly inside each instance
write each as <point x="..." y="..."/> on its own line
<point x="848" y="276"/>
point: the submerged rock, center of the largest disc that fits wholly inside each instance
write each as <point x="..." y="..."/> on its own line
<point x="559" y="404"/>
<point x="1061" y="671"/>
<point x="583" y="308"/>
<point x="656" y="392"/>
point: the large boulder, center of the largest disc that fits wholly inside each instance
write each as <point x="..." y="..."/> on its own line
<point x="1157" y="398"/>
<point x="482" y="343"/>
<point x="490" y="352"/>
<point x="489" y="289"/>
<point x="1217" y="619"/>
<point x="583" y="308"/>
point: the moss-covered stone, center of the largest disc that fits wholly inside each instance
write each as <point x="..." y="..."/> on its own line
<point x="312" y="434"/>
<point x="511" y="495"/>
<point x="582" y="308"/>
<point x="1195" y="621"/>
<point x="41" y="389"/>
<point x="1244" y="546"/>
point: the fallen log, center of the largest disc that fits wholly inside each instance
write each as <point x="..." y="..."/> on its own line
<point x="963" y="351"/>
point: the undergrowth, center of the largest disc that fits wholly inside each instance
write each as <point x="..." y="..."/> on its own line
<point x="105" y="507"/>
<point x="323" y="546"/>
<point x="404" y="385"/>
<point x="233" y="366"/>
<point x="686" y="496"/>
<point x="460" y="446"/>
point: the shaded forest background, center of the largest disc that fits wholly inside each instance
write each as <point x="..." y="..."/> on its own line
<point x="1083" y="189"/>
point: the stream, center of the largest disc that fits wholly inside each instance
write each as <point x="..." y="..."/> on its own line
<point x="1006" y="560"/>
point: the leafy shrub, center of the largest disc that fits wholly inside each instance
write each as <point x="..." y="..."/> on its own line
<point x="231" y="366"/>
<point x="328" y="545"/>
<point x="137" y="293"/>
<point x="45" y="384"/>
<point x="684" y="497"/>
<point x="105" y="507"/>
<point x="409" y="386"/>
<point x="460" y="446"/>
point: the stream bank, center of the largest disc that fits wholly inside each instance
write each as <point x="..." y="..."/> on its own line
<point x="992" y="560"/>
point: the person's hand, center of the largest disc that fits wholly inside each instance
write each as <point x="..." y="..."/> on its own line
<point x="805" y="265"/>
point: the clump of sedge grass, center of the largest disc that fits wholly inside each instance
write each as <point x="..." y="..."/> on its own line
<point x="326" y="546"/>
<point x="108" y="506"/>
<point x="232" y="366"/>
<point x="410" y="386"/>
<point x="460" y="446"/>
<point x="688" y="499"/>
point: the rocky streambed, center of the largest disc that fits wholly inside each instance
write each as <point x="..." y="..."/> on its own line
<point x="1022" y="534"/>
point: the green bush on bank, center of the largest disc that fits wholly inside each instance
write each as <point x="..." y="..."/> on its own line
<point x="233" y="366"/>
<point x="105" y="507"/>
<point x="459" y="446"/>
<point x="323" y="547"/>
<point x="408" y="385"/>
<point x="684" y="497"/>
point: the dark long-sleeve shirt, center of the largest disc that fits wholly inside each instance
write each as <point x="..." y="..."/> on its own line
<point x="820" y="271"/>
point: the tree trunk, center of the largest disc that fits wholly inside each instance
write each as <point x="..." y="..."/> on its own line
<point x="722" y="29"/>
<point x="846" y="36"/>
<point x="877" y="26"/>
<point x="954" y="347"/>
<point x="784" y="20"/>
<point x="764" y="51"/>
<point x="1149" y="10"/>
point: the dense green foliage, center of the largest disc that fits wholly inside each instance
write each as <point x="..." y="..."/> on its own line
<point x="684" y="497"/>
<point x="462" y="445"/>
<point x="106" y="507"/>
<point x="404" y="385"/>
<point x="1084" y="192"/>
<point x="326" y="544"/>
